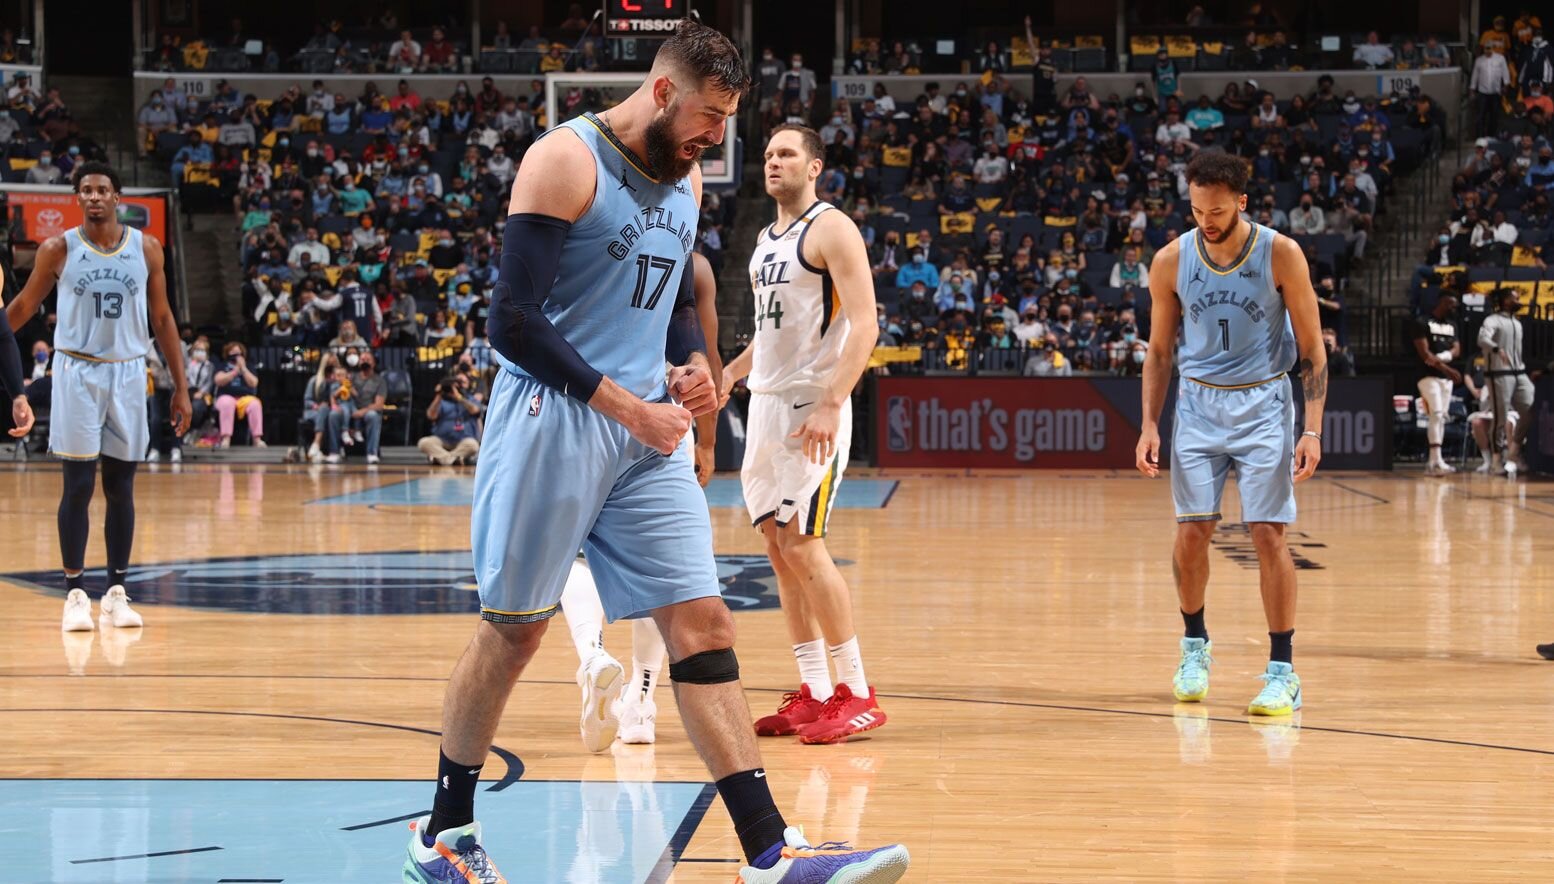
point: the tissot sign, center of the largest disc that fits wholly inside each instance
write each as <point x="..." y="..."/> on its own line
<point x="1077" y="423"/>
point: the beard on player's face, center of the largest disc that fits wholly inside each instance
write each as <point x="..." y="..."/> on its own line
<point x="1228" y="230"/>
<point x="666" y="153"/>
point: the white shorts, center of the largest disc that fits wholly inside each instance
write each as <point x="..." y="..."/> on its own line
<point x="779" y="482"/>
<point x="98" y="408"/>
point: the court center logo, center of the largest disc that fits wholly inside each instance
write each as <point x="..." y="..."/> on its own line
<point x="353" y="583"/>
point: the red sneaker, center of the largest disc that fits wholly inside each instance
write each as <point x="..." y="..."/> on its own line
<point x="798" y="709"/>
<point x="845" y="715"/>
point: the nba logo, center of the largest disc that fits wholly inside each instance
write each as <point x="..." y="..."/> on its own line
<point x="534" y="406"/>
<point x="898" y="429"/>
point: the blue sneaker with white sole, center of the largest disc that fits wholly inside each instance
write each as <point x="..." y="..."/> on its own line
<point x="454" y="857"/>
<point x="830" y="863"/>
<point x="1281" y="691"/>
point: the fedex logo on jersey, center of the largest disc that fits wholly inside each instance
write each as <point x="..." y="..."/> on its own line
<point x="1220" y="298"/>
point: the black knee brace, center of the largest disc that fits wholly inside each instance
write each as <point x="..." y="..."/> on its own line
<point x="708" y="667"/>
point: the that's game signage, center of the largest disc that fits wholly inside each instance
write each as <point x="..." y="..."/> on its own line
<point x="1081" y="423"/>
<point x="1007" y="422"/>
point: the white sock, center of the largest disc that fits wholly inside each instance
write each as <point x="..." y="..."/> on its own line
<point x="849" y="666"/>
<point x="813" y="669"/>
<point x="585" y="614"/>
<point x="647" y="659"/>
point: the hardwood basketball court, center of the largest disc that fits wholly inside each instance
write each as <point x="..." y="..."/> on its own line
<point x="277" y="718"/>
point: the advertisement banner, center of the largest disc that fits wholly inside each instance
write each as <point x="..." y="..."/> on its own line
<point x="51" y="214"/>
<point x="1081" y="423"/>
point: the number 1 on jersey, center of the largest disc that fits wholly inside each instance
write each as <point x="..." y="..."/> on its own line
<point x="1224" y="334"/>
<point x="771" y="309"/>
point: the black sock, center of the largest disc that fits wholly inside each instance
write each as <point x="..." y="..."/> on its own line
<point x="117" y="576"/>
<point x="76" y="581"/>
<point x="1194" y="624"/>
<point x="455" y="802"/>
<point x="1280" y="650"/>
<point x="756" y="819"/>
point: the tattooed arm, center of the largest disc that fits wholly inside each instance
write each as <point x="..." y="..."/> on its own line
<point x="1293" y="277"/>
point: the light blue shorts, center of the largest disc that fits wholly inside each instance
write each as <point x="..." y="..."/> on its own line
<point x="554" y="477"/>
<point x="98" y="408"/>
<point x="1250" y="428"/>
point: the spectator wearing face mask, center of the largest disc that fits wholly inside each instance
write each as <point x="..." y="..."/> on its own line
<point x="237" y="395"/>
<point x="1030" y="328"/>
<point x="917" y="304"/>
<point x="1308" y="218"/>
<point x="918" y="269"/>
<point x="955" y="286"/>
<point x="155" y="117"/>
<point x="1048" y="362"/>
<point x="369" y="396"/>
<point x="1130" y="271"/>
<point x="45" y="172"/>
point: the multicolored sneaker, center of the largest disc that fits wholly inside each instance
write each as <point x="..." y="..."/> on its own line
<point x="797" y="709"/>
<point x="600" y="678"/>
<point x="831" y="863"/>
<point x="455" y="857"/>
<point x="1281" y="692"/>
<point x="1191" y="683"/>
<point x="846" y="715"/>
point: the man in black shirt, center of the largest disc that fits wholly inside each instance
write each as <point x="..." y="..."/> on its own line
<point x="1435" y="343"/>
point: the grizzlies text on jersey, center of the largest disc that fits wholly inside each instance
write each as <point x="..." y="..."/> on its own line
<point x="1235" y="329"/>
<point x="102" y="299"/>
<point x="621" y="265"/>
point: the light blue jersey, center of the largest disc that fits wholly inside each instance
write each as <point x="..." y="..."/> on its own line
<point x="555" y="476"/>
<point x="102" y="299"/>
<point x="1235" y="330"/>
<point x="621" y="265"/>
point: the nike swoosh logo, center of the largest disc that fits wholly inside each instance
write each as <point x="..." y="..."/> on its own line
<point x="803" y="404"/>
<point x="760" y="774"/>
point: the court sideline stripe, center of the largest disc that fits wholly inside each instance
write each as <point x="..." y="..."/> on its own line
<point x="515" y="763"/>
<point x="682" y="835"/>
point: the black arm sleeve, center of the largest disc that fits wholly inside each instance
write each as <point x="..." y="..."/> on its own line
<point x="10" y="360"/>
<point x="685" y="335"/>
<point x="517" y="327"/>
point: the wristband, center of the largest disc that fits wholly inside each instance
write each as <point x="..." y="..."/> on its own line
<point x="1313" y="434"/>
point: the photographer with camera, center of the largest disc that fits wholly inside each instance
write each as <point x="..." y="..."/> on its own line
<point x="453" y="416"/>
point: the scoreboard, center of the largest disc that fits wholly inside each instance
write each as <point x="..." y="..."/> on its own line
<point x="643" y="18"/>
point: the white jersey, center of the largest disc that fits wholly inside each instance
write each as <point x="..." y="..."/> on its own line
<point x="799" y="326"/>
<point x="102" y="299"/>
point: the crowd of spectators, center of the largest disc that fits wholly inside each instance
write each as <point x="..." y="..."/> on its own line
<point x="1000" y="221"/>
<point x="39" y="137"/>
<point x="382" y="44"/>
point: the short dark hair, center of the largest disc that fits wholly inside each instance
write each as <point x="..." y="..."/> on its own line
<point x="94" y="168"/>
<point x="1209" y="168"/>
<point x="707" y="55"/>
<point x="810" y="137"/>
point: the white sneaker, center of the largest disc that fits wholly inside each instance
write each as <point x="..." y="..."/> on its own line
<point x="373" y="460"/>
<point x="331" y="458"/>
<point x="600" y="679"/>
<point x="176" y="455"/>
<point x="1483" y="467"/>
<point x="153" y="456"/>
<point x="225" y="443"/>
<point x="637" y="719"/>
<point x="260" y="443"/>
<point x="116" y="610"/>
<point x="315" y="454"/>
<point x="78" y="612"/>
<point x="1445" y="469"/>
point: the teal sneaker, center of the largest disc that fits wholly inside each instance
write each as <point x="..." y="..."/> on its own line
<point x="1191" y="683"/>
<point x="1281" y="691"/>
<point x="455" y="857"/>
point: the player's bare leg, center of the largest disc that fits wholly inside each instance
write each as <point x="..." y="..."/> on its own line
<point x="805" y="705"/>
<point x="1276" y="570"/>
<point x="853" y="707"/>
<point x="1190" y="568"/>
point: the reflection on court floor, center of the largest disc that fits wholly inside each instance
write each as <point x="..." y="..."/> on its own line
<point x="333" y="830"/>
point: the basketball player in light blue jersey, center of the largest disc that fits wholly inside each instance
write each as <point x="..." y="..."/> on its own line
<point x="585" y="447"/>
<point x="1241" y="297"/>
<point x="112" y="297"/>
